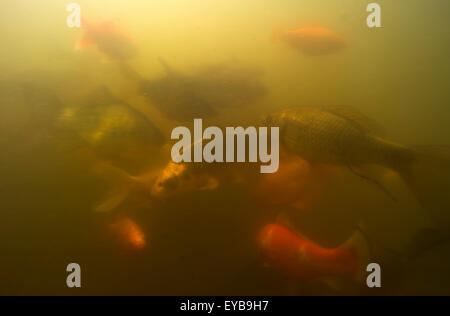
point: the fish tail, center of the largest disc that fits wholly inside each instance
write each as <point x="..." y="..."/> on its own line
<point x="359" y="252"/>
<point x="121" y="182"/>
<point x="428" y="177"/>
<point x="391" y="155"/>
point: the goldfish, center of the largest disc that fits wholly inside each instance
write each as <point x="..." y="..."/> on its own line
<point x="297" y="257"/>
<point x="178" y="177"/>
<point x="108" y="39"/>
<point x="177" y="96"/>
<point x="153" y="186"/>
<point x="184" y="97"/>
<point x="313" y="41"/>
<point x="109" y="126"/>
<point x="342" y="136"/>
<point x="129" y="234"/>
<point x="297" y="183"/>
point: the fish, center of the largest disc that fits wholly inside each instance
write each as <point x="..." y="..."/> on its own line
<point x="297" y="257"/>
<point x="312" y="40"/>
<point x="152" y="187"/>
<point x="297" y="183"/>
<point x="107" y="37"/>
<point x="129" y="234"/>
<point x="342" y="136"/>
<point x="205" y="93"/>
<point x="108" y="125"/>
<point x="230" y="84"/>
<point x="177" y="96"/>
<point x="179" y="177"/>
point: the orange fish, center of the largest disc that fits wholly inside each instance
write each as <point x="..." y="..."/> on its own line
<point x="313" y="41"/>
<point x="297" y="183"/>
<point x="300" y="258"/>
<point x="108" y="39"/>
<point x="129" y="234"/>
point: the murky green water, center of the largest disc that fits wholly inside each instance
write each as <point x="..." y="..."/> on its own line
<point x="228" y="61"/>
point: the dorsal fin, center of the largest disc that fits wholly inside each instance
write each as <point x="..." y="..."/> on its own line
<point x="358" y="119"/>
<point x="167" y="68"/>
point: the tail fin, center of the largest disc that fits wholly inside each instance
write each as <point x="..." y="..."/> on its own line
<point x="169" y="70"/>
<point x="122" y="185"/>
<point x="428" y="177"/>
<point x="359" y="244"/>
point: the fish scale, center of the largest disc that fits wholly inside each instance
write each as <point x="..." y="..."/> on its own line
<point x="320" y="136"/>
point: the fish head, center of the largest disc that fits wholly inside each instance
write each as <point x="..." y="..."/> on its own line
<point x="178" y="179"/>
<point x="128" y="234"/>
<point x="109" y="39"/>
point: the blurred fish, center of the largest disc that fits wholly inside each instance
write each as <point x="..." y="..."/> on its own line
<point x="150" y="187"/>
<point x="337" y="135"/>
<point x="178" y="177"/>
<point x="108" y="39"/>
<point x="299" y="258"/>
<point x="109" y="126"/>
<point x="129" y="234"/>
<point x="203" y="94"/>
<point x="297" y="183"/>
<point x="313" y="41"/>
<point x="177" y="96"/>
<point x="230" y="85"/>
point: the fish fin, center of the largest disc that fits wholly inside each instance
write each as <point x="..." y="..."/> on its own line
<point x="360" y="246"/>
<point x="358" y="119"/>
<point x="122" y="186"/>
<point x="377" y="183"/>
<point x="114" y="200"/>
<point x="428" y="177"/>
<point x="169" y="70"/>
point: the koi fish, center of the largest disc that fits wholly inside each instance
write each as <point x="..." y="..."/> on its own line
<point x="297" y="257"/>
<point x="108" y="39"/>
<point x="129" y="234"/>
<point x="342" y="136"/>
<point x="297" y="183"/>
<point x="313" y="41"/>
